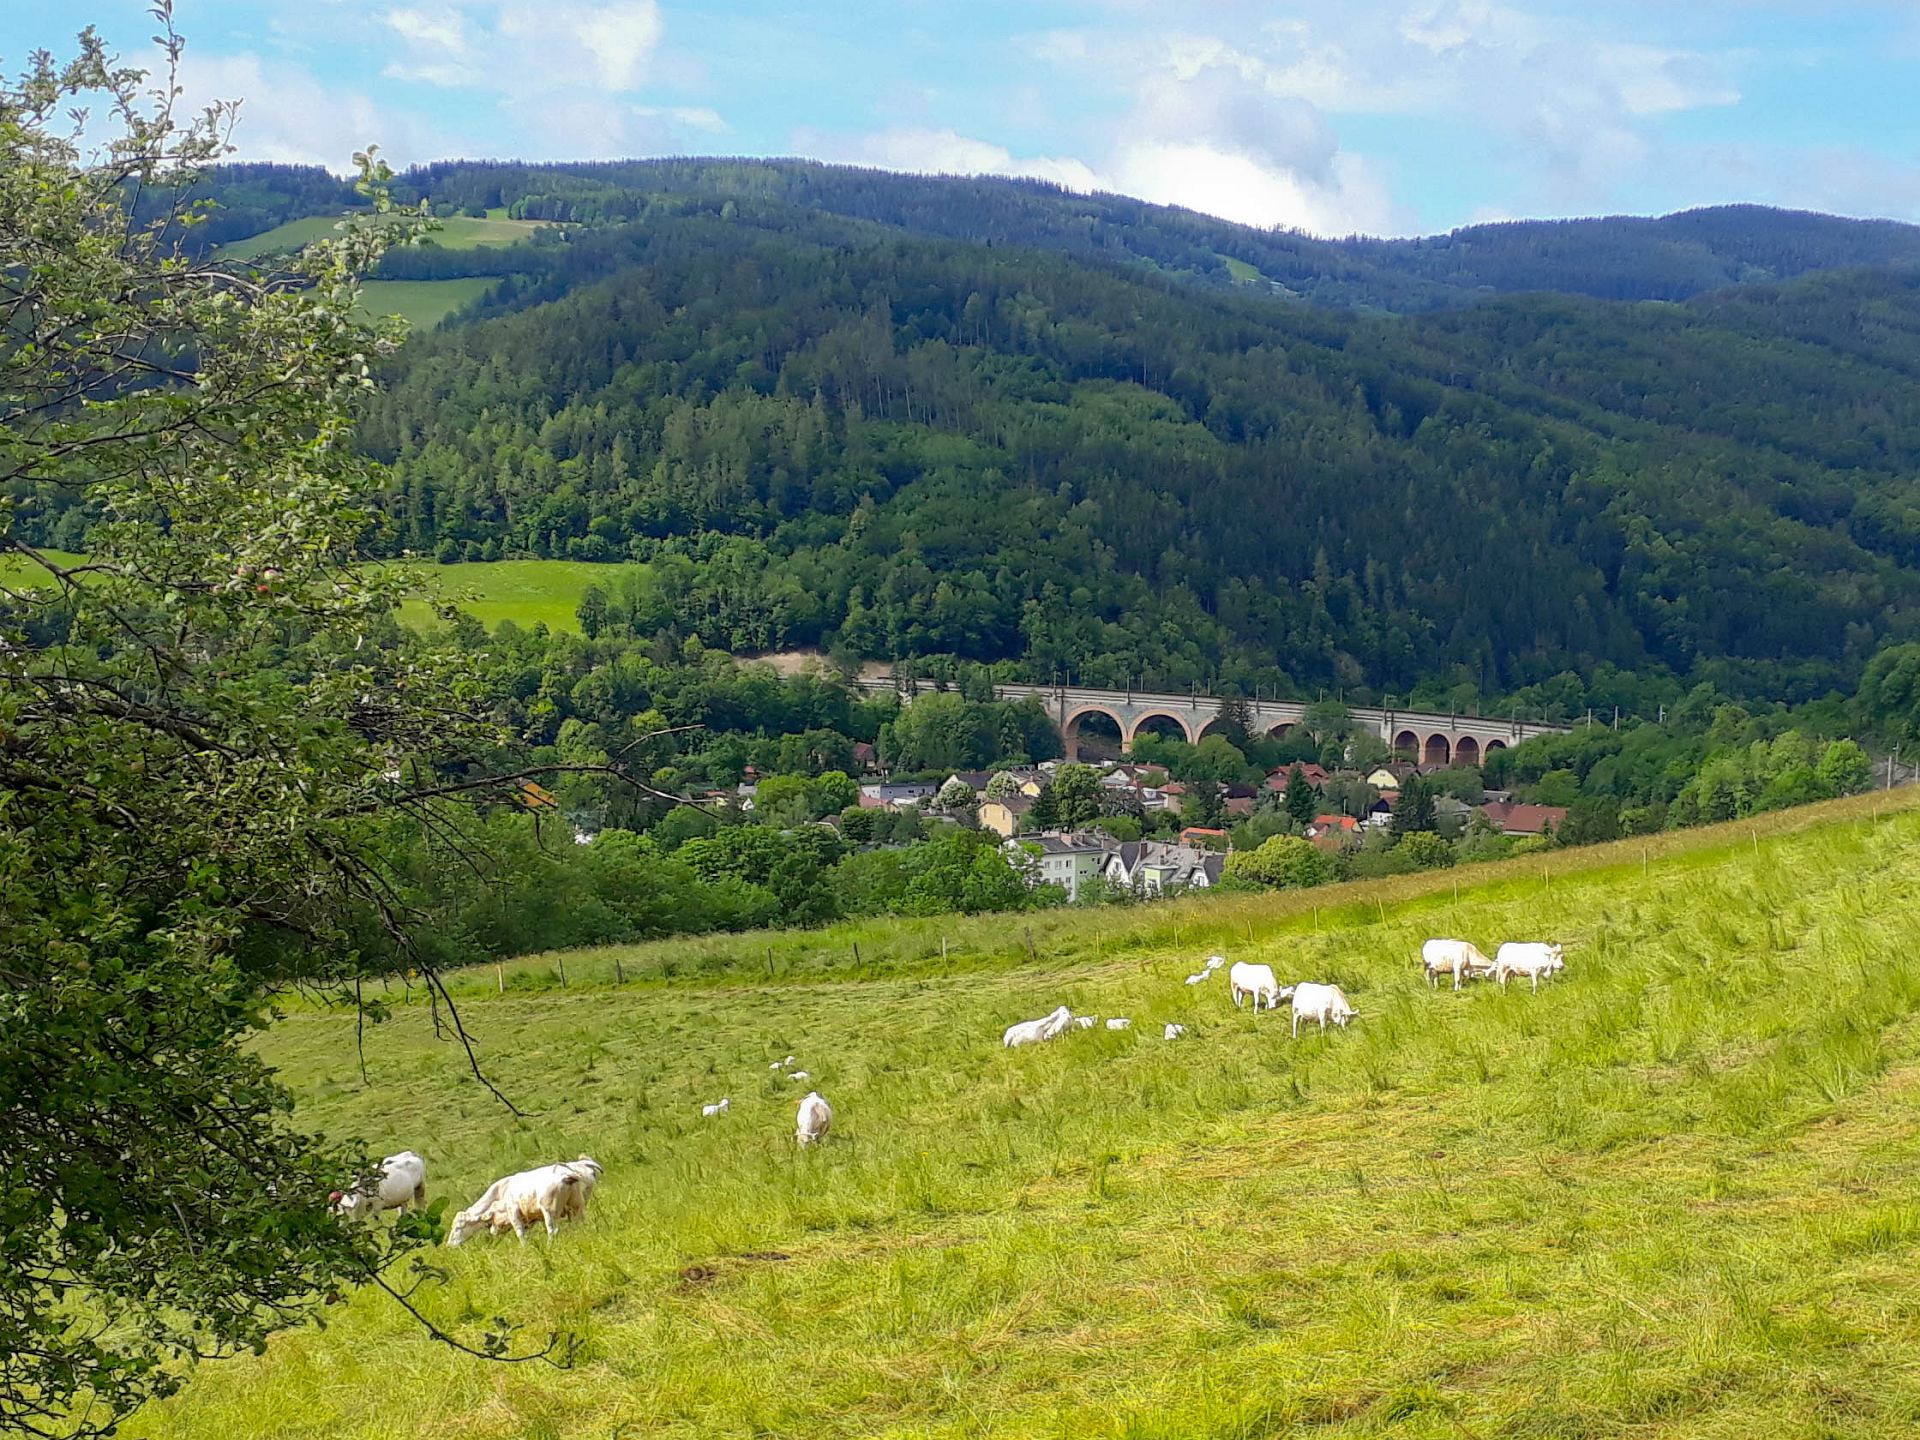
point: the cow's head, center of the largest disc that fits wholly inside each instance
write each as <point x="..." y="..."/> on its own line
<point x="467" y="1223"/>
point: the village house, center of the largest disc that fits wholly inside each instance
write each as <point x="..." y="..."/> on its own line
<point x="1314" y="775"/>
<point x="1151" y="866"/>
<point x="1003" y="817"/>
<point x="890" y="795"/>
<point x="1513" y="818"/>
<point x="1066" y="860"/>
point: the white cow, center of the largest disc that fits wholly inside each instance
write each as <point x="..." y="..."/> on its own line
<point x="1530" y="958"/>
<point x="1255" y="980"/>
<point x="1119" y="1022"/>
<point x="1322" y="1003"/>
<point x="798" y="1075"/>
<point x="1085" y="1022"/>
<point x="1197" y="979"/>
<point x="1032" y="1032"/>
<point x="1173" y="1031"/>
<point x="717" y="1109"/>
<point x="1214" y="962"/>
<point x="815" y="1118"/>
<point x="1458" y="958"/>
<point x="397" y="1182"/>
<point x="549" y="1194"/>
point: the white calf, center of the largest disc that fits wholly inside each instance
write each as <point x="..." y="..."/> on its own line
<point x="1255" y="980"/>
<point x="1085" y="1022"/>
<point x="1458" y="958"/>
<point x="1530" y="958"/>
<point x="1120" y="1022"/>
<point x="798" y="1075"/>
<point x="1173" y="1031"/>
<point x="399" y="1181"/>
<point x="815" y="1118"/>
<point x="1196" y="979"/>
<point x="1032" y="1032"/>
<point x="549" y="1195"/>
<point x="1322" y="1003"/>
<point x="717" y="1109"/>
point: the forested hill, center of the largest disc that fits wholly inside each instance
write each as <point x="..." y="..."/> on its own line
<point x="904" y="417"/>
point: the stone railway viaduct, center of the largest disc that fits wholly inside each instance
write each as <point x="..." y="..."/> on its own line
<point x="1425" y="736"/>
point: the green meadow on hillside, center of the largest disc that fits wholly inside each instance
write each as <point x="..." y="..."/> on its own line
<point x="423" y="303"/>
<point x="16" y="571"/>
<point x="458" y="232"/>
<point x="527" y="592"/>
<point x="1669" y="1195"/>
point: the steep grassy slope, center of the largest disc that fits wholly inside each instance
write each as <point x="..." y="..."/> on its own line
<point x="1670" y="1195"/>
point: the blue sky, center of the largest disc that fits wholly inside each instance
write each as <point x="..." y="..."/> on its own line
<point x="1385" y="116"/>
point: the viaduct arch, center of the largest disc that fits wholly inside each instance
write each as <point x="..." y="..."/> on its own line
<point x="1429" y="737"/>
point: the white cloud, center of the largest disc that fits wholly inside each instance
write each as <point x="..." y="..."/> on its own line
<point x="1238" y="109"/>
<point x="287" y="115"/>
<point x="942" y="152"/>
<point x="516" y="47"/>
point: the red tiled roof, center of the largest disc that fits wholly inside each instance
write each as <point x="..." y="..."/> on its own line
<point x="1518" y="819"/>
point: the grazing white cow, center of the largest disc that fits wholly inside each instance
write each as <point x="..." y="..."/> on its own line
<point x="1119" y="1022"/>
<point x="1197" y="979"/>
<point x="1214" y="962"/>
<point x="1255" y="980"/>
<point x="815" y="1118"/>
<point x="1458" y="958"/>
<point x="798" y="1075"/>
<point x="399" y="1181"/>
<point x="1322" y="1003"/>
<point x="550" y="1194"/>
<point x="1032" y="1032"/>
<point x="1085" y="1022"/>
<point x="1173" y="1031"/>
<point x="1530" y="958"/>
<point x="717" y="1109"/>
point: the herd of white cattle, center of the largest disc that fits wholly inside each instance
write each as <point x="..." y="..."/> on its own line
<point x="549" y="1194"/>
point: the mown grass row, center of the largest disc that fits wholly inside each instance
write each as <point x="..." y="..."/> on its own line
<point x="1671" y="1195"/>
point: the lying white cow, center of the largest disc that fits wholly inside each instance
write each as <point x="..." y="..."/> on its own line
<point x="1119" y="1022"/>
<point x="717" y="1109"/>
<point x="1530" y="958"/>
<point x="815" y="1118"/>
<point x="798" y="1075"/>
<point x="549" y="1195"/>
<point x="1173" y="1031"/>
<point x="1197" y="979"/>
<point x="1255" y="980"/>
<point x="1322" y="1003"/>
<point x="1458" y="958"/>
<point x="1032" y="1032"/>
<point x="1214" y="962"/>
<point x="399" y="1181"/>
<point x="1085" y="1022"/>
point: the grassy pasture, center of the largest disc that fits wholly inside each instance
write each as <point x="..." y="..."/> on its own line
<point x="423" y="303"/>
<point x="1671" y="1195"/>
<point x="523" y="591"/>
<point x="458" y="232"/>
<point x="527" y="592"/>
<point x="18" y="572"/>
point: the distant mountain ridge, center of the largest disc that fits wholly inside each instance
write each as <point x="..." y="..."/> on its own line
<point x="1670" y="257"/>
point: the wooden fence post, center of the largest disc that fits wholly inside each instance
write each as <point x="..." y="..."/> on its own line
<point x="560" y="959"/>
<point x="1031" y="955"/>
<point x="500" y="974"/>
<point x="619" y="975"/>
